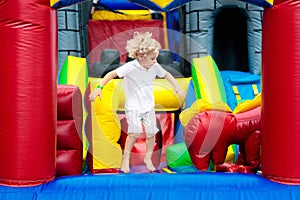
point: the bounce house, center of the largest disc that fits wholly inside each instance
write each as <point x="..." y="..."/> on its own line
<point x="233" y="136"/>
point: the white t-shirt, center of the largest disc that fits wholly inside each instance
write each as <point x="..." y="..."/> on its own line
<point x="138" y="84"/>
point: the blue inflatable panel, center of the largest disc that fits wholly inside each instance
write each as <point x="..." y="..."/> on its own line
<point x="208" y="185"/>
<point x="64" y="3"/>
<point x="121" y="5"/>
<point x="154" y="6"/>
<point x="190" y="99"/>
<point x="263" y="3"/>
<point x="243" y="81"/>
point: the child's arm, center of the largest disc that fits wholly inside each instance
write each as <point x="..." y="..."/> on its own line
<point x="98" y="91"/>
<point x="176" y="86"/>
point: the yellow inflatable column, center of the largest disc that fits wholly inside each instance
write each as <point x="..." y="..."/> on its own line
<point x="208" y="81"/>
<point x="75" y="72"/>
<point x="104" y="148"/>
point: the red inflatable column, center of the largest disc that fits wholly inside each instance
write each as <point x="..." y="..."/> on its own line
<point x="281" y="92"/>
<point x="28" y="85"/>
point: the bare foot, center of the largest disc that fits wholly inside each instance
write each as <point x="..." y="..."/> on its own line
<point x="125" y="165"/>
<point x="149" y="164"/>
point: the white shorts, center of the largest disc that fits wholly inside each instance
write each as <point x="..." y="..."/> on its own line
<point x="138" y="120"/>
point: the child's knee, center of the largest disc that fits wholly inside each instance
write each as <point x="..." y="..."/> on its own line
<point x="135" y="135"/>
<point x="150" y="136"/>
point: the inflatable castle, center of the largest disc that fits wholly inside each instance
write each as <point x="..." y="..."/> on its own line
<point x="236" y="60"/>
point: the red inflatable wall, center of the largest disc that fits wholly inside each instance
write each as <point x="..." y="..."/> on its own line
<point x="106" y="34"/>
<point x="69" y="128"/>
<point x="281" y="96"/>
<point x="164" y="138"/>
<point x="28" y="69"/>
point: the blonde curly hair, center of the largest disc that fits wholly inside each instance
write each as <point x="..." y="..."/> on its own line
<point x="141" y="43"/>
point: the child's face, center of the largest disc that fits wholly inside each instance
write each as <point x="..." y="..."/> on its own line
<point x="149" y="60"/>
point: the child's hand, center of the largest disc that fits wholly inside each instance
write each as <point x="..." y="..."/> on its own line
<point x="180" y="93"/>
<point x="93" y="95"/>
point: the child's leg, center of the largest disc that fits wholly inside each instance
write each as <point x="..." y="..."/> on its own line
<point x="150" y="141"/>
<point x="130" y="140"/>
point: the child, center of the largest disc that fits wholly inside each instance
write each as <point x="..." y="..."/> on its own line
<point x="139" y="75"/>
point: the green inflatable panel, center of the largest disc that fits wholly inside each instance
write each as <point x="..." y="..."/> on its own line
<point x="178" y="155"/>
